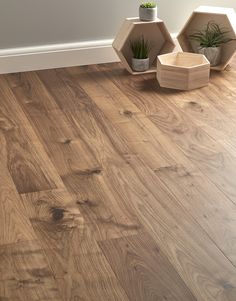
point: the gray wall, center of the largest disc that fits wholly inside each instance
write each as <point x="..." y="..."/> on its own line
<point x="40" y="22"/>
<point x="175" y="13"/>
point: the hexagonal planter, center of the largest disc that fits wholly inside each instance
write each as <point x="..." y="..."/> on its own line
<point x="225" y="17"/>
<point x="183" y="70"/>
<point x="155" y="32"/>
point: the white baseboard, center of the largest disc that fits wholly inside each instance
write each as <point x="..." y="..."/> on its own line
<point x="57" y="56"/>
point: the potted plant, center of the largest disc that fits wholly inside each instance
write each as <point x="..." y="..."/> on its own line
<point x="148" y="11"/>
<point x="210" y="40"/>
<point x="140" y="49"/>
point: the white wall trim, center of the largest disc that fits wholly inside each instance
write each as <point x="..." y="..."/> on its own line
<point x="57" y="56"/>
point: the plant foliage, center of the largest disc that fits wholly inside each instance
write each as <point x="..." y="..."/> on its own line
<point x="148" y="5"/>
<point x="140" y="48"/>
<point x="211" y="36"/>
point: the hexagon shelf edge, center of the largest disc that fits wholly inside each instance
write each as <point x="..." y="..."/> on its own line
<point x="225" y="17"/>
<point x="155" y="32"/>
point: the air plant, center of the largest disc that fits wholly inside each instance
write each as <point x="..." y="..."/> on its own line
<point x="211" y="36"/>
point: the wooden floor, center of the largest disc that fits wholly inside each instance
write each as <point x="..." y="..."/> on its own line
<point x="112" y="188"/>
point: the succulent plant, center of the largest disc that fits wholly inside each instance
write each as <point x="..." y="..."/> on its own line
<point x="140" y="48"/>
<point x="148" y="5"/>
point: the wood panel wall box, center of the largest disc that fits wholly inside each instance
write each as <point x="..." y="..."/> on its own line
<point x="183" y="70"/>
<point x="154" y="31"/>
<point x="225" y="17"/>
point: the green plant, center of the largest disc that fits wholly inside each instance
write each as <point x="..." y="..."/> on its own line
<point x="211" y="36"/>
<point x="148" y="5"/>
<point x="140" y="48"/>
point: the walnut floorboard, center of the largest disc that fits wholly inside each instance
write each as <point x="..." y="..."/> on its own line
<point x="54" y="128"/>
<point x="210" y="156"/>
<point x="113" y="176"/>
<point x="25" y="273"/>
<point x="76" y="164"/>
<point x="185" y="181"/>
<point x="21" y="150"/>
<point x="138" y="266"/>
<point x="112" y="188"/>
<point x="78" y="265"/>
<point x="15" y="225"/>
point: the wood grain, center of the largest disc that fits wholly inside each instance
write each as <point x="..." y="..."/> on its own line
<point x="21" y="150"/>
<point x="25" y="273"/>
<point x="158" y="212"/>
<point x="93" y="189"/>
<point x="15" y="226"/>
<point x="143" y="270"/>
<point x="112" y="188"/>
<point x="187" y="181"/>
<point x="137" y="166"/>
<point x="53" y="129"/>
<point x="133" y="126"/>
<point x="206" y="153"/>
<point x="121" y="179"/>
<point x="212" y="209"/>
<point x="70" y="247"/>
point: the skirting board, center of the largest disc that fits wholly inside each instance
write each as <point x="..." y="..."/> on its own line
<point x="56" y="56"/>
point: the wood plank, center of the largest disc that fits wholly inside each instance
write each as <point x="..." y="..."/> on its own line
<point x="54" y="216"/>
<point x="61" y="246"/>
<point x="182" y="178"/>
<point x="14" y="223"/>
<point x="135" y="136"/>
<point x="214" y="109"/>
<point x="209" y="206"/>
<point x="79" y="266"/>
<point x="180" y="237"/>
<point x="143" y="270"/>
<point x="211" y="157"/>
<point x="53" y="129"/>
<point x="206" y="153"/>
<point x="146" y="177"/>
<point x="25" y="274"/>
<point x="21" y="151"/>
<point x="161" y="224"/>
<point x="82" y="161"/>
<point x="133" y="127"/>
<point x="208" y="109"/>
<point x="125" y="173"/>
<point x="205" y="114"/>
<point x="107" y="213"/>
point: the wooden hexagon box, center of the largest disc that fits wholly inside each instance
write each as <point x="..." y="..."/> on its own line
<point x="155" y="32"/>
<point x="183" y="70"/>
<point x="225" y="17"/>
